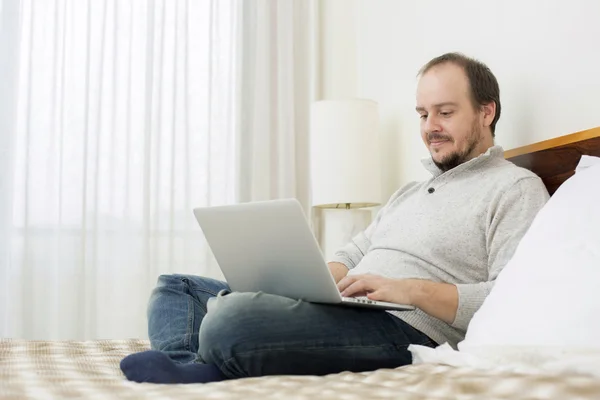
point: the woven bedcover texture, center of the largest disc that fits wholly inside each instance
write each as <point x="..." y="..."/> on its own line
<point x="90" y="370"/>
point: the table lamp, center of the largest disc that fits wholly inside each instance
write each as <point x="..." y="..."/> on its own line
<point x="344" y="154"/>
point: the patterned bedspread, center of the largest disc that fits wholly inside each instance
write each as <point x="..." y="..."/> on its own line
<point x="90" y="370"/>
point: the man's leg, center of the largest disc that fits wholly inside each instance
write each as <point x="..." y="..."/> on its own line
<point x="175" y="311"/>
<point x="255" y="334"/>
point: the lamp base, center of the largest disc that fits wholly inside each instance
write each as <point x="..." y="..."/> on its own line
<point x="339" y="227"/>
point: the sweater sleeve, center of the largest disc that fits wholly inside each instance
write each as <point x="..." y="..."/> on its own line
<point x="508" y="221"/>
<point x="351" y="254"/>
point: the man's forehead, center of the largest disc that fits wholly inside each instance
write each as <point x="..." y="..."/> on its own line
<point x="446" y="73"/>
<point x="443" y="84"/>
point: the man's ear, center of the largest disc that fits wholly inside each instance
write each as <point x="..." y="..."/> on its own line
<point x="489" y="112"/>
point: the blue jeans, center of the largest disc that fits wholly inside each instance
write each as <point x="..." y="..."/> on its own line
<point x="256" y="334"/>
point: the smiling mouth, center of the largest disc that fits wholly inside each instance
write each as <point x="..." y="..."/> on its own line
<point x="437" y="143"/>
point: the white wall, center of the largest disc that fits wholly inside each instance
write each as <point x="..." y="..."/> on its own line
<point x="546" y="56"/>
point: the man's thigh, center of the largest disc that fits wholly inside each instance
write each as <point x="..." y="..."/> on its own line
<point x="254" y="334"/>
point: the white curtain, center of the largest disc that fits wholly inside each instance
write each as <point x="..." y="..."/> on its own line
<point x="123" y="116"/>
<point x="275" y="92"/>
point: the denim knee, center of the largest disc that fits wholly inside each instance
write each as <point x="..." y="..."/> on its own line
<point x="170" y="280"/>
<point x="225" y="331"/>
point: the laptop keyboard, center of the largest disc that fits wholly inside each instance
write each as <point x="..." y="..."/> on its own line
<point x="360" y="299"/>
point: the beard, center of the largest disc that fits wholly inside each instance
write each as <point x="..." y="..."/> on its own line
<point x="458" y="157"/>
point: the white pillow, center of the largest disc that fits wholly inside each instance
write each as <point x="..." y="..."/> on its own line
<point x="586" y="162"/>
<point x="549" y="292"/>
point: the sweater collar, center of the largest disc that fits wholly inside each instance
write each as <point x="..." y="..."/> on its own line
<point x="491" y="153"/>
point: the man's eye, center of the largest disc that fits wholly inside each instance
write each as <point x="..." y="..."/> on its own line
<point x="446" y="113"/>
<point x="423" y="116"/>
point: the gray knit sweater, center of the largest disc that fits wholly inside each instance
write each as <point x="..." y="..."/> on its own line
<point x="459" y="227"/>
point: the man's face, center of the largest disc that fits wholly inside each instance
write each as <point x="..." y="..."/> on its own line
<point x="451" y="128"/>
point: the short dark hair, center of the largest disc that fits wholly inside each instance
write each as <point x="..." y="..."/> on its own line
<point x="483" y="83"/>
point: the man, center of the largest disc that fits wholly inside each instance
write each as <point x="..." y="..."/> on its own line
<point x="438" y="245"/>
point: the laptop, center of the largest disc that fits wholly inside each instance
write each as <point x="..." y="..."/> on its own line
<point x="268" y="246"/>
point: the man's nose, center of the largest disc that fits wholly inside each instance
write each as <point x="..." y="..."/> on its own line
<point x="432" y="124"/>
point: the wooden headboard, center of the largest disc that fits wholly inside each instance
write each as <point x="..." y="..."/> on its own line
<point x="555" y="160"/>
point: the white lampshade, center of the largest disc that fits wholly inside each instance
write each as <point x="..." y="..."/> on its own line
<point x="344" y="154"/>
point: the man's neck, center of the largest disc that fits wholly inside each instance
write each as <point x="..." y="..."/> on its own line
<point x="483" y="146"/>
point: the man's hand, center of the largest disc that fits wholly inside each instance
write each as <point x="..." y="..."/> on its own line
<point x="378" y="288"/>
<point x="338" y="270"/>
<point x="440" y="300"/>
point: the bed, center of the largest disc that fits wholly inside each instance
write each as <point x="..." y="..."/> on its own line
<point x="90" y="369"/>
